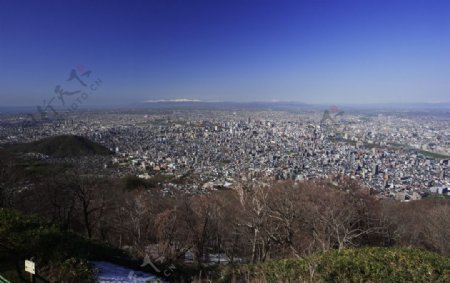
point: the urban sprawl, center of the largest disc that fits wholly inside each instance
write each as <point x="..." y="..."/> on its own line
<point x="398" y="154"/>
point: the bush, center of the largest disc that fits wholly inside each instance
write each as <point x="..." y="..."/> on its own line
<point x="60" y="256"/>
<point x="71" y="270"/>
<point x="17" y="231"/>
<point x="351" y="265"/>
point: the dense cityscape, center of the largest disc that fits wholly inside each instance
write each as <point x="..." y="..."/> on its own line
<point x="398" y="154"/>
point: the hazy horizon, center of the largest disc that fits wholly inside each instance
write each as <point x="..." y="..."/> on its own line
<point x="313" y="52"/>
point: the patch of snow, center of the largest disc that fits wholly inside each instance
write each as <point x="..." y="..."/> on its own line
<point x="173" y="100"/>
<point x="112" y="273"/>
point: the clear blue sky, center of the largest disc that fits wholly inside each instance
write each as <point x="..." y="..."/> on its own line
<point x="337" y="51"/>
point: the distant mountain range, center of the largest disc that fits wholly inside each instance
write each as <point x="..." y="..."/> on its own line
<point x="286" y="105"/>
<point x="176" y="100"/>
<point x="400" y="106"/>
<point x="199" y="104"/>
<point x="264" y="105"/>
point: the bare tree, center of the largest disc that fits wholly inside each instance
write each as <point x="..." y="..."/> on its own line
<point x="286" y="214"/>
<point x="422" y="224"/>
<point x="255" y="219"/>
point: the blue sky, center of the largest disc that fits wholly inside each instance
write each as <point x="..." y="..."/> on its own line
<point x="315" y="51"/>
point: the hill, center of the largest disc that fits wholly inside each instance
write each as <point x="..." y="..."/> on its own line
<point x="62" y="146"/>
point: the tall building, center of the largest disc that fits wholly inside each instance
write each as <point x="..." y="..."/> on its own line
<point x="375" y="169"/>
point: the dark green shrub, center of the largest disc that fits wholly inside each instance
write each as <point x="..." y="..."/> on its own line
<point x="351" y="265"/>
